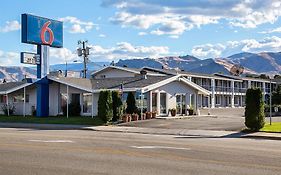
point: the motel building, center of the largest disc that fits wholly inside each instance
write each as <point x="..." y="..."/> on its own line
<point x="155" y="90"/>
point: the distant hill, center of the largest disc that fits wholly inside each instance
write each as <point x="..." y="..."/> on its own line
<point x="265" y="62"/>
<point x="254" y="63"/>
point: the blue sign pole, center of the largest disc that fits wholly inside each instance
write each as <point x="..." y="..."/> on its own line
<point x="44" y="33"/>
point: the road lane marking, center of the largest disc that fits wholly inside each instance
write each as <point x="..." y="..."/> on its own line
<point x="159" y="147"/>
<point x="52" y="141"/>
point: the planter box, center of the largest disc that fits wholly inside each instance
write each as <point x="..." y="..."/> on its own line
<point x="148" y="115"/>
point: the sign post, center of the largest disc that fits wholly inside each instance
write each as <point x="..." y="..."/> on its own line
<point x="44" y="33"/>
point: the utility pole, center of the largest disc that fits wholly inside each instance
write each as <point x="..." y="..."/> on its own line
<point x="84" y="51"/>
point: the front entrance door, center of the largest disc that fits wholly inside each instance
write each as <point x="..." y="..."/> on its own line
<point x="181" y="104"/>
<point x="163" y="104"/>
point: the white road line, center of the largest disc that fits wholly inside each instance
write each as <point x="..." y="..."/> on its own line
<point x="52" y="141"/>
<point x="159" y="147"/>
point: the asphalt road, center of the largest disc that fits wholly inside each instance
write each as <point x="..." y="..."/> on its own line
<point x="24" y="151"/>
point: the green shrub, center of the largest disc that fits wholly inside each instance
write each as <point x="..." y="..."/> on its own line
<point x="131" y="104"/>
<point x="74" y="109"/>
<point x="105" y="111"/>
<point x="254" y="112"/>
<point x="116" y="106"/>
<point x="11" y="108"/>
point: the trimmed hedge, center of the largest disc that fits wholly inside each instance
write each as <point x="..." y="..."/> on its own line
<point x="105" y="111"/>
<point x="254" y="111"/>
<point x="116" y="106"/>
<point x="131" y="104"/>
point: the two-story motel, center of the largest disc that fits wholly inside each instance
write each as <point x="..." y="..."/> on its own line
<point x="155" y="90"/>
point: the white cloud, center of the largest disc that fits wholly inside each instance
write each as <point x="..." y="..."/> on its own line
<point x="76" y="25"/>
<point x="176" y="17"/>
<point x="10" y="26"/>
<point x="61" y="55"/>
<point x="268" y="44"/>
<point x="9" y="58"/>
<point x="277" y="30"/>
<point x="102" y="35"/>
<point x="124" y="50"/>
<point x="142" y="33"/>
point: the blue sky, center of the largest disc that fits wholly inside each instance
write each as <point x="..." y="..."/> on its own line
<point x="119" y="29"/>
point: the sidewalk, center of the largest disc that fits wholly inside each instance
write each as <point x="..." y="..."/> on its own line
<point x="188" y="133"/>
<point x="155" y="131"/>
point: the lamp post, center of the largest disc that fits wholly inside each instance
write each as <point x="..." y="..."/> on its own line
<point x="84" y="51"/>
<point x="270" y="103"/>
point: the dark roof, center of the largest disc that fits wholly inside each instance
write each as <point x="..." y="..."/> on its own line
<point x="80" y="82"/>
<point x="110" y="83"/>
<point x="10" y="85"/>
<point x="128" y="82"/>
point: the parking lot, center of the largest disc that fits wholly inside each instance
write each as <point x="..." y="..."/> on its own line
<point x="221" y="120"/>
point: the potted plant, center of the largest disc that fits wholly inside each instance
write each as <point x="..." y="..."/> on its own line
<point x="126" y="118"/>
<point x="135" y="117"/>
<point x="148" y="115"/>
<point x="173" y="112"/>
<point x="191" y="111"/>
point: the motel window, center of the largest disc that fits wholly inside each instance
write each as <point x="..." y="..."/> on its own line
<point x="154" y="101"/>
<point x="87" y="103"/>
<point x="63" y="100"/>
<point x="141" y="103"/>
<point x="218" y="100"/>
<point x="236" y="100"/>
<point x="20" y="98"/>
<point x="3" y="98"/>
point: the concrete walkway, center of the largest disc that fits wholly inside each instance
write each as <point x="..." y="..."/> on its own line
<point x="155" y="131"/>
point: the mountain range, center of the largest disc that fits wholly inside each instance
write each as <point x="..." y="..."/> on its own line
<point x="253" y="63"/>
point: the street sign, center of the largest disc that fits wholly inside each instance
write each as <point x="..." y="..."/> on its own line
<point x="29" y="58"/>
<point x="41" y="31"/>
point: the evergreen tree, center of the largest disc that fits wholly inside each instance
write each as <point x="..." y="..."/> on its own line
<point x="105" y="111"/>
<point x="254" y="111"/>
<point x="116" y="106"/>
<point x="131" y="104"/>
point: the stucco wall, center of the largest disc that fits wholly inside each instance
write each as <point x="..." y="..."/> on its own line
<point x="172" y="89"/>
<point x="19" y="106"/>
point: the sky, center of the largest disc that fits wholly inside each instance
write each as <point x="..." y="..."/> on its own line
<point x="117" y="29"/>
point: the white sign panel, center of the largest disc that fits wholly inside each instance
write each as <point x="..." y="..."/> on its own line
<point x="29" y="58"/>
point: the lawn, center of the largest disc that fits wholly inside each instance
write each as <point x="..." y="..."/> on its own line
<point x="77" y="120"/>
<point x="275" y="127"/>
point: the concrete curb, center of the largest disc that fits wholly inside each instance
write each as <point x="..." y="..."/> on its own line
<point x="153" y="131"/>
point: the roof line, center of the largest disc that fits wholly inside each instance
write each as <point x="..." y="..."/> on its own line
<point x="69" y="84"/>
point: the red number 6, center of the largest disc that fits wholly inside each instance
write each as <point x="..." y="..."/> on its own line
<point x="45" y="29"/>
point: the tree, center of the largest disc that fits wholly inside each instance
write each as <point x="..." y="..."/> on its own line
<point x="276" y="96"/>
<point x="105" y="111"/>
<point x="131" y="104"/>
<point x="116" y="106"/>
<point x="254" y="112"/>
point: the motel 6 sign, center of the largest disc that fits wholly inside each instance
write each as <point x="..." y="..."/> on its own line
<point x="41" y="31"/>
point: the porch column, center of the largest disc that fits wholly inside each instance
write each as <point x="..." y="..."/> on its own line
<point x="195" y="102"/>
<point x="187" y="100"/>
<point x="150" y="101"/>
<point x="241" y="101"/>
<point x="232" y="94"/>
<point x="92" y="112"/>
<point x="7" y="102"/>
<point x="67" y="101"/>
<point x="158" y="103"/>
<point x="24" y="101"/>
<point x="213" y="93"/>
<point x="249" y="84"/>
<point x="263" y="91"/>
